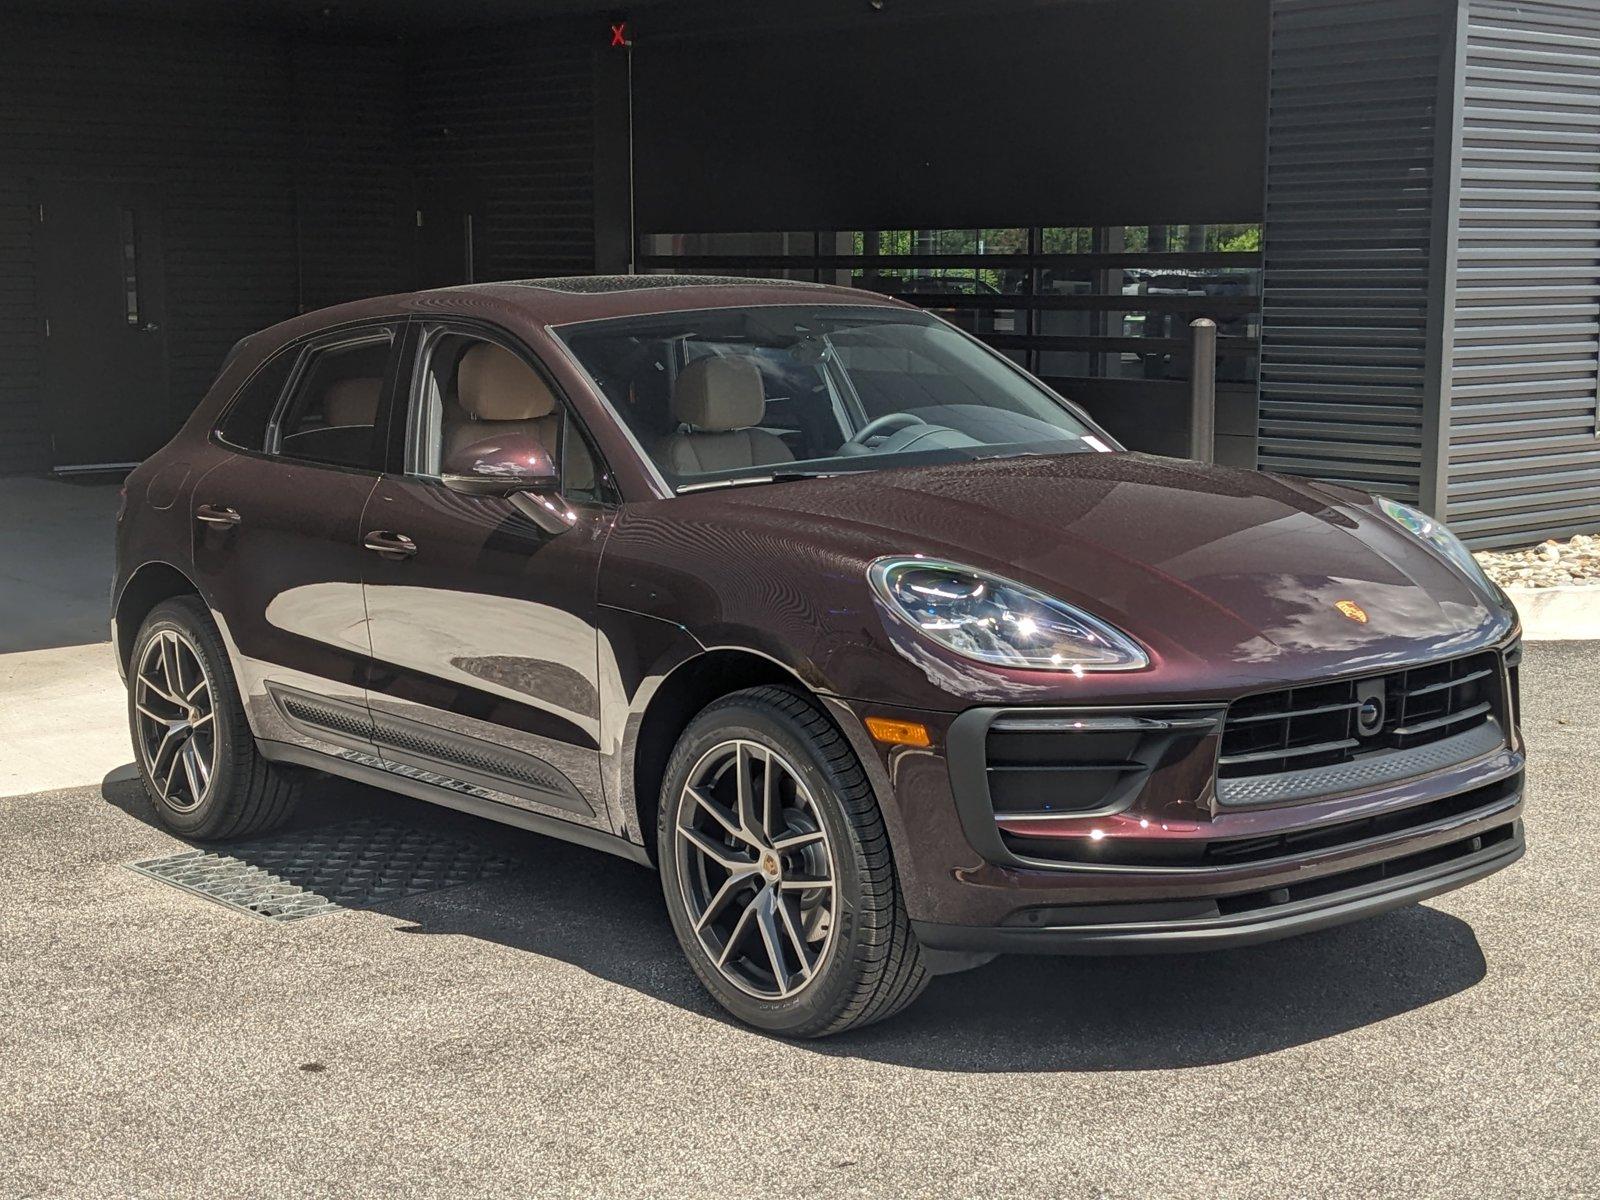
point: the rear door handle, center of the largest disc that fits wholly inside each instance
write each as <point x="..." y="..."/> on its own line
<point x="389" y="544"/>
<point x="211" y="514"/>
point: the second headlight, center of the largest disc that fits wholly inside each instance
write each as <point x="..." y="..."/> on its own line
<point x="999" y="621"/>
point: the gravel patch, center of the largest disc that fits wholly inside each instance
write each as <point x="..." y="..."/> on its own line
<point x="1549" y="564"/>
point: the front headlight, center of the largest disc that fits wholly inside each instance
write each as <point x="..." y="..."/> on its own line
<point x="1436" y="535"/>
<point x="994" y="620"/>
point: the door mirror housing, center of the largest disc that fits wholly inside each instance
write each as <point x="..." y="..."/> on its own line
<point x="502" y="466"/>
<point x="516" y="466"/>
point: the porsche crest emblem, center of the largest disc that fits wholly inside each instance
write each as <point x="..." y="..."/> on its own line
<point x="1352" y="610"/>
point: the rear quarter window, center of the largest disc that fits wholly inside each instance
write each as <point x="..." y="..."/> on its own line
<point x="245" y="423"/>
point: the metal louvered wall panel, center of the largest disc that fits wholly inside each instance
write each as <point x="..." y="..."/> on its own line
<point x="1523" y="454"/>
<point x="1348" y="238"/>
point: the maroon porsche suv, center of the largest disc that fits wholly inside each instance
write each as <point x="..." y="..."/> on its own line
<point x="885" y="655"/>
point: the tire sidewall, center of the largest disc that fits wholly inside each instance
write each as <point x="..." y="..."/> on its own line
<point x="184" y="618"/>
<point x="815" y="1006"/>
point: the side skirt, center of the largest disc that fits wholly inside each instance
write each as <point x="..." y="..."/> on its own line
<point x="370" y="770"/>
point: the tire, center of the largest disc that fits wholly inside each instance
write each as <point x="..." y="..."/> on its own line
<point x="733" y="874"/>
<point x="223" y="789"/>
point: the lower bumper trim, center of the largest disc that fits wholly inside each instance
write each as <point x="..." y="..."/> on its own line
<point x="1144" y="929"/>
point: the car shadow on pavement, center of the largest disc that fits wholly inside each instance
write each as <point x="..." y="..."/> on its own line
<point x="604" y="915"/>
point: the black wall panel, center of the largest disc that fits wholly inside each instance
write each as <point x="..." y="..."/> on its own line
<point x="1061" y="114"/>
<point x="22" y="435"/>
<point x="250" y="143"/>
<point x="502" y="123"/>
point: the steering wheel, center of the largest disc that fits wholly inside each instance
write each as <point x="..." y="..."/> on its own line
<point x="879" y="427"/>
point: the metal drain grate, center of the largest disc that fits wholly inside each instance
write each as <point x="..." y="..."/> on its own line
<point x="309" y="872"/>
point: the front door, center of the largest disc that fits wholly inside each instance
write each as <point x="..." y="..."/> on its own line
<point x="484" y="648"/>
<point x="105" y="348"/>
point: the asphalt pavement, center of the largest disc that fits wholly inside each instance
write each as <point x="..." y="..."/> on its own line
<point x="537" y="1034"/>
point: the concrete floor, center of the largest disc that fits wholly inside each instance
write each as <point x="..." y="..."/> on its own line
<point x="539" y="1034"/>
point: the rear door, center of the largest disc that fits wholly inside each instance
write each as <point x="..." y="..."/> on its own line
<point x="277" y="535"/>
<point x="485" y="671"/>
<point x="103" y="293"/>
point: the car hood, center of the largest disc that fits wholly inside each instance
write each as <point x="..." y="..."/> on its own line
<point x="1235" y="577"/>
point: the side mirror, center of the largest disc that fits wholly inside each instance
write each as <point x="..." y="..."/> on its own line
<point x="518" y="467"/>
<point x="501" y="466"/>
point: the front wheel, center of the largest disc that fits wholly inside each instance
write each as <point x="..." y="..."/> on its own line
<point x="777" y="870"/>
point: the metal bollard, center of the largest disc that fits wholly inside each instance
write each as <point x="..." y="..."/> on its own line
<point x="1203" y="391"/>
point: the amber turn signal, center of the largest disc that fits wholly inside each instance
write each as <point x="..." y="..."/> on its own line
<point x="898" y="733"/>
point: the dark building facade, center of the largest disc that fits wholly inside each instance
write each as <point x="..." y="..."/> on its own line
<point x="1389" y="207"/>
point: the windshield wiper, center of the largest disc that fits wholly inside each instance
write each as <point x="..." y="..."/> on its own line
<point x="772" y="477"/>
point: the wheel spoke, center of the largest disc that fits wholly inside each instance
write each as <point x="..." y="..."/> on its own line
<point x="202" y="719"/>
<point x="718" y="813"/>
<point x="718" y="902"/>
<point x="769" y="797"/>
<point x="193" y="769"/>
<point x="717" y="854"/>
<point x="739" y="927"/>
<point x="791" y="926"/>
<point x="767" y="921"/>
<point x="170" y="665"/>
<point x="154" y="716"/>
<point x="804" y="883"/>
<point x="795" y="841"/>
<point x="744" y="774"/>
<point x="150" y="684"/>
<point x="170" y="741"/>
<point x="172" y="769"/>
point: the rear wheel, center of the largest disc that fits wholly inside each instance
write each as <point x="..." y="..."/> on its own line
<point x="777" y="870"/>
<point x="195" y="751"/>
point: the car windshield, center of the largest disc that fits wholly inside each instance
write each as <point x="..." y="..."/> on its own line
<point x="727" y="396"/>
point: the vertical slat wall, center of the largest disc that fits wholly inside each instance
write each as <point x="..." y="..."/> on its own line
<point x="1349" y="210"/>
<point x="1524" y="462"/>
<point x="508" y="118"/>
<point x="209" y="118"/>
<point x="353" y="188"/>
<point x="23" y="440"/>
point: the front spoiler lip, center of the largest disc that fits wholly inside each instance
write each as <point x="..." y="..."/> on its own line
<point x="1176" y="937"/>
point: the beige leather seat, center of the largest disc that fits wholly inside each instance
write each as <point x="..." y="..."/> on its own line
<point x="352" y="402"/>
<point x="499" y="393"/>
<point x="721" y="400"/>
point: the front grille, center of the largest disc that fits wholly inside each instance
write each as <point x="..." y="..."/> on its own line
<point x="1326" y="724"/>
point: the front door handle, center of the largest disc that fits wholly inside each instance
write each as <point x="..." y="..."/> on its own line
<point x="389" y="544"/>
<point x="212" y="514"/>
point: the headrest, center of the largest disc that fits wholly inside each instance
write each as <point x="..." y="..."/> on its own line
<point x="716" y="395"/>
<point x="493" y="384"/>
<point x="352" y="401"/>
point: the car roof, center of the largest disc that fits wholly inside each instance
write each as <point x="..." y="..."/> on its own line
<point x="564" y="300"/>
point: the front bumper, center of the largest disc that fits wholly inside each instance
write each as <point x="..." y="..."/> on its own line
<point x="1165" y="862"/>
<point x="1154" y="929"/>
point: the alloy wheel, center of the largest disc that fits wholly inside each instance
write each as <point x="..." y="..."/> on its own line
<point x="175" y="720"/>
<point x="757" y="869"/>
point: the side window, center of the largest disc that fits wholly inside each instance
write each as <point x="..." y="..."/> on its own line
<point x="469" y="389"/>
<point x="331" y="415"/>
<point x="245" y="423"/>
